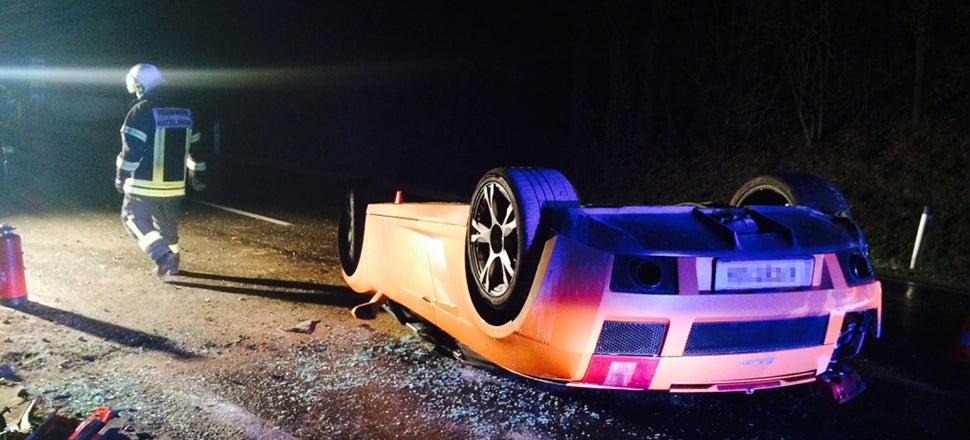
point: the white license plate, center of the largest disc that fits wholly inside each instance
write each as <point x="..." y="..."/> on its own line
<point x="762" y="274"/>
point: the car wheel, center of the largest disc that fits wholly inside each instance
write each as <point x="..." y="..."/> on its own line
<point x="793" y="189"/>
<point x="350" y="230"/>
<point x="504" y="240"/>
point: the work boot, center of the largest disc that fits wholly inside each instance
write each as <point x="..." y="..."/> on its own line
<point x="167" y="265"/>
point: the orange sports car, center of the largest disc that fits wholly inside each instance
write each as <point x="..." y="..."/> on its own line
<point x="769" y="290"/>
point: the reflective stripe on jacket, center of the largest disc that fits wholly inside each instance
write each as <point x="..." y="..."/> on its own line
<point x="156" y="144"/>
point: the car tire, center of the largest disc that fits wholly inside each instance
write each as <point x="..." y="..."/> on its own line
<point x="350" y="229"/>
<point x="793" y="189"/>
<point x="504" y="237"/>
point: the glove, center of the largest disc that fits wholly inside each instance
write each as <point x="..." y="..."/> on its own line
<point x="120" y="177"/>
<point x="198" y="180"/>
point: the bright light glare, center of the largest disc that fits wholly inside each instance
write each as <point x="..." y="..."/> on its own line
<point x="221" y="78"/>
<point x="251" y="77"/>
<point x="93" y="76"/>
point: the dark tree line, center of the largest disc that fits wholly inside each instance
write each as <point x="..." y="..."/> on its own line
<point x="665" y="77"/>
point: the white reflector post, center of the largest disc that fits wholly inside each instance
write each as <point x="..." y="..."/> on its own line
<point x="924" y="222"/>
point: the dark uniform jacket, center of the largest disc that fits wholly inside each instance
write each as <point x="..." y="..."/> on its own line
<point x="156" y="141"/>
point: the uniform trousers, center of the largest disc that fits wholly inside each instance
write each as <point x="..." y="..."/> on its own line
<point x="153" y="223"/>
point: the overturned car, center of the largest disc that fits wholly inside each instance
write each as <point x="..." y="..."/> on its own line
<point x="769" y="290"/>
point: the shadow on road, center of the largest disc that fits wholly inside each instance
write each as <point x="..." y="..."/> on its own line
<point x="295" y="291"/>
<point x="104" y="330"/>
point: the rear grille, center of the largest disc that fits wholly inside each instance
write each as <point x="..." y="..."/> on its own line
<point x="631" y="338"/>
<point x="711" y="338"/>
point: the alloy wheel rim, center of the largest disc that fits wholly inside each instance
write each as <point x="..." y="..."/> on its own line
<point x="493" y="238"/>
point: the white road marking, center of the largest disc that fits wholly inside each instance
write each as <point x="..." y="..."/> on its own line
<point x="245" y="213"/>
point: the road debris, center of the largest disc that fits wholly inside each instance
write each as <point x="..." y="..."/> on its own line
<point x="15" y="408"/>
<point x="305" y="327"/>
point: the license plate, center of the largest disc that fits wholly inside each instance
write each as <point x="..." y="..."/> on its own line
<point x="762" y="274"/>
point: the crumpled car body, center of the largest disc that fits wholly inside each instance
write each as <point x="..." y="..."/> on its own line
<point x="685" y="298"/>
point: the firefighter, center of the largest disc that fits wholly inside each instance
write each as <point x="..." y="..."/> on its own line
<point x="154" y="164"/>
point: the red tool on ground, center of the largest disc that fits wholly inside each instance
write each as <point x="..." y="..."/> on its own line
<point x="89" y="429"/>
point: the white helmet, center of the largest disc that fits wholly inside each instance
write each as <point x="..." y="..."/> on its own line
<point x="143" y="78"/>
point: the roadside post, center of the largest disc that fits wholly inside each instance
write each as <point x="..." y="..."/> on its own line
<point x="920" y="244"/>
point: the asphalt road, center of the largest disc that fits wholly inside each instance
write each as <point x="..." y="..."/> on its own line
<point x="917" y="387"/>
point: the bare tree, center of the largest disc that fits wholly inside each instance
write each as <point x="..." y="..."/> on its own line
<point x="918" y="21"/>
<point x="633" y="28"/>
<point x="808" y="64"/>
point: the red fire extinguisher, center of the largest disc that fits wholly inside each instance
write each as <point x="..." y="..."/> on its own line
<point x="13" y="287"/>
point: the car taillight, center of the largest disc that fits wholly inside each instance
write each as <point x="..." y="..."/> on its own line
<point x="621" y="371"/>
<point x="644" y="274"/>
<point x="856" y="267"/>
<point x="626" y="355"/>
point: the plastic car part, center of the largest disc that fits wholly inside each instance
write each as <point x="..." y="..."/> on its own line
<point x="368" y="310"/>
<point x="421" y="328"/>
<point x="504" y="237"/>
<point x="839" y="383"/>
<point x="792" y="189"/>
<point x="644" y="274"/>
<point x="855" y="326"/>
<point x="434" y="335"/>
<point x="468" y="356"/>
<point x="856" y="267"/>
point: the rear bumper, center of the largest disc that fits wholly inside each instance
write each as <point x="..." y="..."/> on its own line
<point x="693" y="342"/>
<point x="721" y="343"/>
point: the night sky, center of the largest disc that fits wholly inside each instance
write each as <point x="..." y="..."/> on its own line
<point x="441" y="90"/>
<point x="280" y="33"/>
